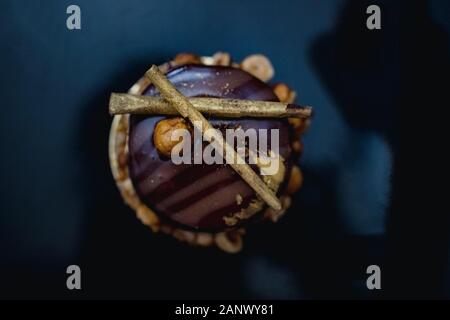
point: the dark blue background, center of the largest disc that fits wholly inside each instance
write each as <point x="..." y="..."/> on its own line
<point x="59" y="204"/>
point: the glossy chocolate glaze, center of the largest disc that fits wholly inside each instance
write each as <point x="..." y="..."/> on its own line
<point x="199" y="196"/>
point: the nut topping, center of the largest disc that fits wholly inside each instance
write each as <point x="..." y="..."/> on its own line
<point x="221" y="59"/>
<point x="229" y="241"/>
<point x="297" y="146"/>
<point x="282" y="91"/>
<point x="299" y="125"/>
<point x="259" y="66"/>
<point x="295" y="181"/>
<point x="186" y="58"/>
<point x="162" y="136"/>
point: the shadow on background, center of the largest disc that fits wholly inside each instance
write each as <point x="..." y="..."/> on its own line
<point x="382" y="80"/>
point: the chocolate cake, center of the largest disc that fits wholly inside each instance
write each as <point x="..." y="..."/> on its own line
<point x="204" y="204"/>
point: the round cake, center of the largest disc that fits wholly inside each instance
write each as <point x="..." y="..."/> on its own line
<point x="204" y="204"/>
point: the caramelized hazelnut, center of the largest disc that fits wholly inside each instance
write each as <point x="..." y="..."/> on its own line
<point x="282" y="91"/>
<point x="148" y="217"/>
<point x="297" y="146"/>
<point x="186" y="58"/>
<point x="295" y="181"/>
<point x="259" y="66"/>
<point x="291" y="97"/>
<point x="221" y="59"/>
<point x="123" y="159"/>
<point x="230" y="241"/>
<point x="204" y="239"/>
<point x="184" y="235"/>
<point x="162" y="135"/>
<point x="299" y="125"/>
